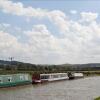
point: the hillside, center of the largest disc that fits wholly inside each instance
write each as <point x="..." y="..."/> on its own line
<point x="8" y="65"/>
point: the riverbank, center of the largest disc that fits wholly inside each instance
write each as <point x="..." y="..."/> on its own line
<point x="86" y="73"/>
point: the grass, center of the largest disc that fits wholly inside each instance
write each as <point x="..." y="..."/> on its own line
<point x="86" y="73"/>
<point x="98" y="98"/>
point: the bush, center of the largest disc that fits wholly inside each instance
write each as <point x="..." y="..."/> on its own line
<point x="98" y="98"/>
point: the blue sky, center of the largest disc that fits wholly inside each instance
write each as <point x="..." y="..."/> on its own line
<point x="50" y="31"/>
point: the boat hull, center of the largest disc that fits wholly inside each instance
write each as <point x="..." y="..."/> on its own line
<point x="15" y="84"/>
<point x="58" y="79"/>
<point x="71" y="78"/>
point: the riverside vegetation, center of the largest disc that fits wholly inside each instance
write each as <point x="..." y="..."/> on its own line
<point x="7" y="67"/>
<point x="98" y="98"/>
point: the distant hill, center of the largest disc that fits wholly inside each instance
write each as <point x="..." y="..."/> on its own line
<point x="3" y="62"/>
<point x="88" y="65"/>
<point x="62" y="67"/>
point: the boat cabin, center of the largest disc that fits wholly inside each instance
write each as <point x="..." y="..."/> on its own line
<point x="14" y="79"/>
<point x="49" y="77"/>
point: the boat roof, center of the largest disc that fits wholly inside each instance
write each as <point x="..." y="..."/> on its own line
<point x="14" y="74"/>
<point x="53" y="74"/>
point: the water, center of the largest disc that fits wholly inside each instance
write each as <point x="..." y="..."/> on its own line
<point x="80" y="89"/>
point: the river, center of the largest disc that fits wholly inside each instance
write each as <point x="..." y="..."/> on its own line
<point x="80" y="89"/>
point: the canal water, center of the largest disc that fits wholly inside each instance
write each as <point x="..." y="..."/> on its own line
<point x="80" y="89"/>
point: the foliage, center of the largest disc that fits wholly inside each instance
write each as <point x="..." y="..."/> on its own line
<point x="14" y="66"/>
<point x="98" y="98"/>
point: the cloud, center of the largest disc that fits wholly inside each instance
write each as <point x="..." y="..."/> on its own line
<point x="47" y="46"/>
<point x="40" y="37"/>
<point x="89" y="16"/>
<point x="7" y="43"/>
<point x="78" y="41"/>
<point x="59" y="19"/>
<point x="73" y="12"/>
<point x="56" y="16"/>
<point x="43" y="47"/>
<point x="18" y="9"/>
<point x="4" y="26"/>
<point x="10" y="46"/>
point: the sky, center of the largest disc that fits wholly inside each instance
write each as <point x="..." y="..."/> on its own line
<point x="50" y="31"/>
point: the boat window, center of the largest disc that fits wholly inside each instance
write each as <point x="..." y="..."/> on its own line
<point x="55" y="76"/>
<point x="44" y="77"/>
<point x="21" y="78"/>
<point x="63" y="75"/>
<point x="1" y="80"/>
<point x="26" y="77"/>
<point x="9" y="79"/>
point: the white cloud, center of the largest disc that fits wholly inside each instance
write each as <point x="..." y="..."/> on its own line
<point x="10" y="46"/>
<point x="20" y="10"/>
<point x="5" y="25"/>
<point x="73" y="12"/>
<point x="89" y="16"/>
<point x="77" y="42"/>
<point x="59" y="19"/>
<point x="41" y="37"/>
<point x="44" y="47"/>
<point x="40" y="46"/>
<point x="7" y="43"/>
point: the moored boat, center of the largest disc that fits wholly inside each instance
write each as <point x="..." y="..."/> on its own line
<point x="72" y="75"/>
<point x="14" y="80"/>
<point x="40" y="78"/>
<point x="78" y="75"/>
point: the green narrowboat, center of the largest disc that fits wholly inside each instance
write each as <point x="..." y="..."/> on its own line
<point x="14" y="80"/>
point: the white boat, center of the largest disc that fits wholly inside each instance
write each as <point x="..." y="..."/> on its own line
<point x="40" y="78"/>
<point x="75" y="75"/>
<point x="49" y="77"/>
<point x="78" y="75"/>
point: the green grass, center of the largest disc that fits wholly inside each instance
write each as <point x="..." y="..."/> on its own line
<point x="86" y="73"/>
<point x="98" y="98"/>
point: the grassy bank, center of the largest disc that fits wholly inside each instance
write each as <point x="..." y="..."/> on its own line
<point x="86" y="73"/>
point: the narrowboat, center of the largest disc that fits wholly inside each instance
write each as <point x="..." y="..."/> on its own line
<point x="78" y="75"/>
<point x="72" y="75"/>
<point x="14" y="80"/>
<point x="40" y="78"/>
